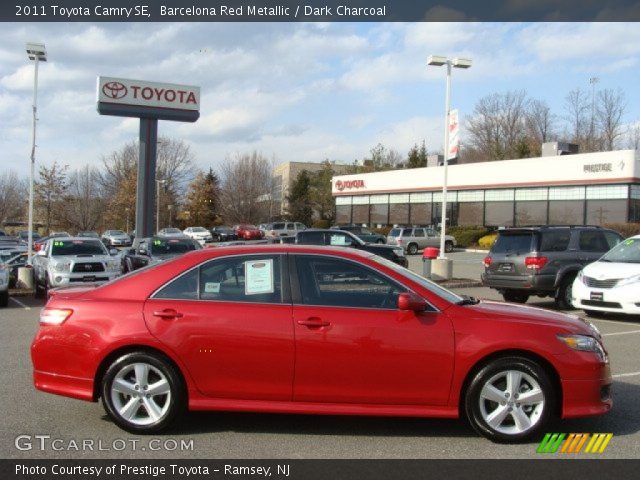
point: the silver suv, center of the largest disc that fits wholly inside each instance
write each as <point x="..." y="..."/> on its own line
<point x="283" y="229"/>
<point x="413" y="239"/>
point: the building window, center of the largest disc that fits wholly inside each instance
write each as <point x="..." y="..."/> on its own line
<point x="378" y="199"/>
<point x="360" y="200"/>
<point x="634" y="210"/>
<point x="399" y="198"/>
<point x="360" y="214"/>
<point x="567" y="212"/>
<point x="531" y="213"/>
<point x="451" y="197"/>
<point x="595" y="192"/>
<point x="420" y="214"/>
<point x="600" y="212"/>
<point x="566" y="193"/>
<point x="399" y="213"/>
<point x="423" y="197"/>
<point x="498" y="214"/>
<point x="502" y="195"/>
<point x="452" y="214"/>
<point x="531" y="194"/>
<point x="470" y="213"/>
<point x="343" y="213"/>
<point x="379" y="213"/>
<point x="635" y="191"/>
<point x="471" y="196"/>
<point x="343" y="200"/>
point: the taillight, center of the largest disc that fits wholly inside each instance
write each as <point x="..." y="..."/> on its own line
<point x="487" y="261"/>
<point x="535" y="263"/>
<point x="273" y="233"/>
<point x="54" y="316"/>
<point x="399" y="241"/>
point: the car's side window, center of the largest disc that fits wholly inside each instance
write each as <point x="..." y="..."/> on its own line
<point x="247" y="278"/>
<point x="418" y="232"/>
<point x="312" y="238"/>
<point x="340" y="283"/>
<point x="431" y="232"/>
<point x="555" y="241"/>
<point x="340" y="240"/>
<point x="593" y="241"/>
<point x="185" y="287"/>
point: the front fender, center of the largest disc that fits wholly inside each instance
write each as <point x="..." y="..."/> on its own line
<point x="565" y="270"/>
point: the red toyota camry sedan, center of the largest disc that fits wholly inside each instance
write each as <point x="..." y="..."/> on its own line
<point x="320" y="330"/>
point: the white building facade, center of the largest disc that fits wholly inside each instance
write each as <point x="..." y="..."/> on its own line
<point x="590" y="188"/>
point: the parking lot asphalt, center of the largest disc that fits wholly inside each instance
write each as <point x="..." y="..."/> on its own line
<point x="239" y="435"/>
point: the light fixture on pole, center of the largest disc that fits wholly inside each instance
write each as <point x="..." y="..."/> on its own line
<point x="38" y="53"/>
<point x="438" y="61"/>
<point x="159" y="182"/>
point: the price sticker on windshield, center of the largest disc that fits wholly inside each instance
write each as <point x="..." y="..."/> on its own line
<point x="157" y="242"/>
<point x="58" y="244"/>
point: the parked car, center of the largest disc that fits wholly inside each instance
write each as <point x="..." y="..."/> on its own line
<point x="14" y="259"/>
<point x="88" y="234"/>
<point x="38" y="244"/>
<point x="171" y="233"/>
<point x="223" y="234"/>
<point x="200" y="234"/>
<point x="612" y="283"/>
<point x="157" y="249"/>
<point x="248" y="232"/>
<point x="23" y="235"/>
<point x="413" y="239"/>
<point x="4" y="283"/>
<point x="67" y="261"/>
<point x="338" y="238"/>
<point x="306" y="329"/>
<point x="363" y="233"/>
<point x="283" y="229"/>
<point x="543" y="260"/>
<point x="116" y="238"/>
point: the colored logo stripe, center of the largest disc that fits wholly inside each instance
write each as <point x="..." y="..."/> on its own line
<point x="598" y="442"/>
<point x="550" y="443"/>
<point x="574" y="443"/>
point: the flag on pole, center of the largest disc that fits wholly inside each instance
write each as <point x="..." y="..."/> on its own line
<point x="454" y="137"/>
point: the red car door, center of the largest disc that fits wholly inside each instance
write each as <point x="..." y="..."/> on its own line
<point x="354" y="346"/>
<point x="234" y="335"/>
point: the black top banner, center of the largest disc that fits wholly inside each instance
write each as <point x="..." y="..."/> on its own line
<point x="318" y="10"/>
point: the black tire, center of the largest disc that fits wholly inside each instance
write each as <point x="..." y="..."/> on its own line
<point x="172" y="404"/>
<point x="40" y="291"/>
<point x="563" y="293"/>
<point x="594" y="313"/>
<point x="4" y="298"/>
<point x="478" y="407"/>
<point x="448" y="246"/>
<point x="412" y="249"/>
<point x="515" y="296"/>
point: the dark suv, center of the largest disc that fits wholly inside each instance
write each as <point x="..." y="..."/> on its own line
<point x="340" y="238"/>
<point x="543" y="260"/>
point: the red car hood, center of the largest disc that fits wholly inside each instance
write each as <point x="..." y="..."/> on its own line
<point x="526" y="314"/>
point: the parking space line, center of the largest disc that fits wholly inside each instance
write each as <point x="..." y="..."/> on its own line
<point x="632" y="323"/>
<point x="633" y="374"/>
<point x="26" y="307"/>
<point x="620" y="333"/>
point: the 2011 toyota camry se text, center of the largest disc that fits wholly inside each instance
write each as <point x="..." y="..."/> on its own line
<point x="319" y="330"/>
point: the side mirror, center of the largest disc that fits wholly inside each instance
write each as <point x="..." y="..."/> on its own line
<point x="113" y="251"/>
<point x="41" y="252"/>
<point x="412" y="302"/>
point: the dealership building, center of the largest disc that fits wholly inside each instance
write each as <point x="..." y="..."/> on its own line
<point x="591" y="188"/>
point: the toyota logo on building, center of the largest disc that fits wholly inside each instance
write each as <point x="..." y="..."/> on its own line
<point x="115" y="90"/>
<point x="349" y="184"/>
<point x="340" y="185"/>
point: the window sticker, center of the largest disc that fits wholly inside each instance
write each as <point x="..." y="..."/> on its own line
<point x="628" y="242"/>
<point x="338" y="240"/>
<point x="258" y="276"/>
<point x="212" y="287"/>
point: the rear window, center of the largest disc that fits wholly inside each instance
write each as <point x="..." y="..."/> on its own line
<point x="77" y="247"/>
<point x="278" y="226"/>
<point x="513" y="243"/>
<point x="555" y="241"/>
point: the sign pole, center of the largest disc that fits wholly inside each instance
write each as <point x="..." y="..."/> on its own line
<point x="146" y="187"/>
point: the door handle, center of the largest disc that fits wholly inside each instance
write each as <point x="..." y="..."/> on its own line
<point x="167" y="314"/>
<point x="314" y="322"/>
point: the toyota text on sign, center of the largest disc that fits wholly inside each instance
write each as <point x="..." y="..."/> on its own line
<point x="148" y="94"/>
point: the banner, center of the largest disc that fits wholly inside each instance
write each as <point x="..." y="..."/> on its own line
<point x="454" y="137"/>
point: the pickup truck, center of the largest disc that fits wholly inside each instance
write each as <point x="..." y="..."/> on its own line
<point x="339" y="238"/>
<point x="67" y="261"/>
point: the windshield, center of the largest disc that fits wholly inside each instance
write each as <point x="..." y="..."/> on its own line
<point x="198" y="229"/>
<point x="78" y="247"/>
<point x="167" y="247"/>
<point x="172" y="230"/>
<point x="423" y="282"/>
<point x="625" y="252"/>
<point x="513" y="243"/>
<point x="394" y="232"/>
<point x="117" y="232"/>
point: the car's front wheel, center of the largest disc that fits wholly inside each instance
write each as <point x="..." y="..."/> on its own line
<point x="143" y="392"/>
<point x="448" y="246"/>
<point x="412" y="249"/>
<point x="563" y="294"/>
<point x="510" y="400"/>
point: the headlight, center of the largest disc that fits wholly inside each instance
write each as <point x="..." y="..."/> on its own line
<point x="62" y="267"/>
<point x="584" y="343"/>
<point x="113" y="265"/>
<point x="628" y="281"/>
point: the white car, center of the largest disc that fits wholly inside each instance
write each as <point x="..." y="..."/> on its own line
<point x="201" y="234"/>
<point x="611" y="284"/>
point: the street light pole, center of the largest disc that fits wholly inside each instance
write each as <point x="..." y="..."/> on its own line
<point x="36" y="52"/>
<point x="160" y="182"/>
<point x="438" y="61"/>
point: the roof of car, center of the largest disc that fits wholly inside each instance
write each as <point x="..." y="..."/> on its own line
<point x="278" y="248"/>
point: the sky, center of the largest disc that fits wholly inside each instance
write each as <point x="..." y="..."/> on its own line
<point x="292" y="91"/>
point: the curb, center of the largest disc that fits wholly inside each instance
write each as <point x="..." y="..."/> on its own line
<point x="20" y="292"/>
<point x="460" y="283"/>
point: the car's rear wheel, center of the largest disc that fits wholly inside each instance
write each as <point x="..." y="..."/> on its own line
<point x="514" y="296"/>
<point x="563" y="294"/>
<point x="4" y="298"/>
<point x="412" y="249"/>
<point x="448" y="246"/>
<point x="510" y="400"/>
<point x="143" y="392"/>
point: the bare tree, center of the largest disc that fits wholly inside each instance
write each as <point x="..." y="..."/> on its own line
<point x="83" y="206"/>
<point x="13" y="192"/>
<point x="576" y="107"/>
<point x="497" y="125"/>
<point x="633" y="136"/>
<point x="540" y="121"/>
<point x="246" y="187"/>
<point x="50" y="191"/>
<point x="609" y="111"/>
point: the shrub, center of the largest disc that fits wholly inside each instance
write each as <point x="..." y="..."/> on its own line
<point x="487" y="241"/>
<point x="320" y="223"/>
<point x="382" y="230"/>
<point x="625" y="229"/>
<point x="468" y="235"/>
